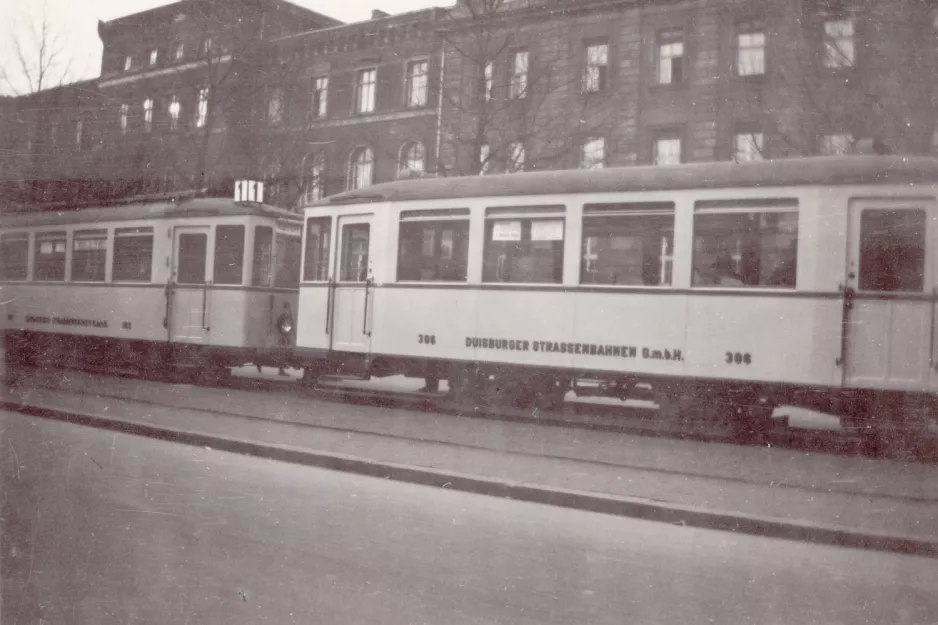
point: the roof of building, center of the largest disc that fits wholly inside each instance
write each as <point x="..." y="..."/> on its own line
<point x="165" y="209"/>
<point x="820" y="170"/>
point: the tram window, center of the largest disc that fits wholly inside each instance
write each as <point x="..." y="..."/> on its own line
<point x="629" y="244"/>
<point x="192" y="252"/>
<point x="133" y="254"/>
<point x="287" y="261"/>
<point x="523" y="250"/>
<point x="229" y="254"/>
<point x="318" y="236"/>
<point x="355" y="253"/>
<point x="892" y="250"/>
<point x="746" y="249"/>
<point x="433" y="251"/>
<point x="89" y="255"/>
<point x="14" y="256"/>
<point x="50" y="256"/>
<point x="263" y="255"/>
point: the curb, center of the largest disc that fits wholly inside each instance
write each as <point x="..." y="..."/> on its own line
<point x="630" y="507"/>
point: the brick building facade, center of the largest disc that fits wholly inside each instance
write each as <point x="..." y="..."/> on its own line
<point x="200" y="92"/>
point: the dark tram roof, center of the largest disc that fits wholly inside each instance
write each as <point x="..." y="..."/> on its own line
<point x="165" y="209"/>
<point x="818" y="170"/>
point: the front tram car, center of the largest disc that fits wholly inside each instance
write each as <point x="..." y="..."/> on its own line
<point x="173" y="281"/>
<point x="722" y="289"/>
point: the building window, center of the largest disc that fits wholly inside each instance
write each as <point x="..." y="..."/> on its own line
<point x="417" y="77"/>
<point x="433" y="249"/>
<point x="750" y="50"/>
<point x="485" y="159"/>
<point x="180" y="51"/>
<point x="89" y="255"/>
<point x="319" y="98"/>
<point x="207" y="46"/>
<point x="365" y="91"/>
<point x="597" y="59"/>
<point x="628" y="244"/>
<point x="666" y="150"/>
<point x="314" y="178"/>
<point x="154" y="55"/>
<point x="835" y="144"/>
<point x="128" y="62"/>
<point x="125" y="109"/>
<point x="275" y="106"/>
<point x="49" y="257"/>
<point x="515" y="157"/>
<point x="79" y="134"/>
<point x="754" y="248"/>
<point x="593" y="153"/>
<point x="488" y="72"/>
<point x="412" y="158"/>
<point x="747" y="146"/>
<point x="524" y="250"/>
<point x="361" y="168"/>
<point x="318" y="240"/>
<point x="148" y="115"/>
<point x="670" y="57"/>
<point x="518" y="87"/>
<point x="839" y="50"/>
<point x="173" y="110"/>
<point x="201" y="113"/>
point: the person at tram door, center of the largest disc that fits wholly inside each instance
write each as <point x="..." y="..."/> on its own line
<point x="431" y="378"/>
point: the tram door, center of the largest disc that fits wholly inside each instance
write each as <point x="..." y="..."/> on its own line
<point x="353" y="295"/>
<point x="889" y="310"/>
<point x="188" y="314"/>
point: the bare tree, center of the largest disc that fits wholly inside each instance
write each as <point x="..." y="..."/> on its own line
<point x="39" y="57"/>
<point x="509" y="101"/>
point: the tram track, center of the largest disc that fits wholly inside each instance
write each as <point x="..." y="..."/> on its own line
<point x="38" y="409"/>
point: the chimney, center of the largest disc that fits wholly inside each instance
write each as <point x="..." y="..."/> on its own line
<point x="377" y="14"/>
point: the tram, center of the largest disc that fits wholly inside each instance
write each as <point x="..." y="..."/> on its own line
<point x="157" y="282"/>
<point x="715" y="287"/>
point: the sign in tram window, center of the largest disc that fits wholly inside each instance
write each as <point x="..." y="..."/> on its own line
<point x="133" y="254"/>
<point x="433" y="251"/>
<point x="355" y="239"/>
<point x="318" y="236"/>
<point x="89" y="255"/>
<point x="49" y="257"/>
<point x="14" y="256"/>
<point x="263" y="256"/>
<point x="229" y="254"/>
<point x="528" y="250"/>
<point x="628" y="244"/>
<point x="892" y="250"/>
<point x="287" y="261"/>
<point x="745" y="248"/>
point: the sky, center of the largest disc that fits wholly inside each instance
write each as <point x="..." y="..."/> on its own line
<point x="75" y="23"/>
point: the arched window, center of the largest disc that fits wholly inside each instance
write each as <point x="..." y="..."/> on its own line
<point x="361" y="168"/>
<point x="412" y="158"/>
<point x="314" y="178"/>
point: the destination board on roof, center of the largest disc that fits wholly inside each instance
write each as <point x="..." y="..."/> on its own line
<point x="506" y="231"/>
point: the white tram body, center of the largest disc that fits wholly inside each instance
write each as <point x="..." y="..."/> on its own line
<point x="794" y="275"/>
<point x="201" y="281"/>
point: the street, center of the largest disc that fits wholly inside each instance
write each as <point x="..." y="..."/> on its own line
<point x="99" y="527"/>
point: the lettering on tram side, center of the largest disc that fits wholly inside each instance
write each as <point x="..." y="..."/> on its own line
<point x="586" y="349"/>
<point x="66" y="321"/>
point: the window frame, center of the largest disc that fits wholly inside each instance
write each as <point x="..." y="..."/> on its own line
<point x="665" y="39"/>
<point x="829" y="140"/>
<point x="403" y="159"/>
<point x="420" y="82"/>
<point x="774" y="206"/>
<point x="16" y="236"/>
<point x="522" y="214"/>
<point x="867" y="255"/>
<point x="124" y="118"/>
<point x="59" y="262"/>
<point x="319" y="97"/>
<point x="220" y="255"/>
<point x="667" y="135"/>
<point x="314" y="178"/>
<point x="323" y="252"/>
<point x="831" y="44"/>
<point x="601" y="68"/>
<point x="365" y="92"/>
<point x="592" y="163"/>
<point x="515" y="161"/>
<point x="180" y="53"/>
<point x="97" y="234"/>
<point x="148" y="115"/>
<point x="629" y="210"/>
<point x="518" y="73"/>
<point x="756" y="139"/>
<point x="201" y="109"/>
<point x="124" y="234"/>
<point x="438" y="219"/>
<point x="154" y="57"/>
<point x="750" y="28"/>
<point x="354" y="168"/>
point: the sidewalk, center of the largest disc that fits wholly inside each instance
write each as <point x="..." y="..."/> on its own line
<point x="819" y="497"/>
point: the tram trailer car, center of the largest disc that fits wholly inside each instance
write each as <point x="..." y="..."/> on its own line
<point x="195" y="281"/>
<point x="714" y="288"/>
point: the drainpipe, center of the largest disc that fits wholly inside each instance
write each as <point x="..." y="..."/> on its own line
<point x="439" y="108"/>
